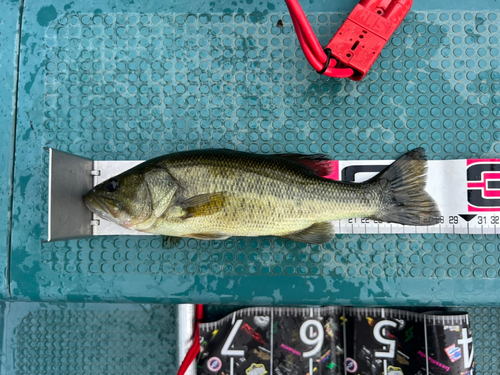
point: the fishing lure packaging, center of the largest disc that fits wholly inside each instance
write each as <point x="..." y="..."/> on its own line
<point x="336" y="340"/>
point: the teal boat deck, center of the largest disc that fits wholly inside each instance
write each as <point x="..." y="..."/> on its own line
<point x="113" y="80"/>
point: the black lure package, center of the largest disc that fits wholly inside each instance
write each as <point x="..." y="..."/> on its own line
<point x="336" y="340"/>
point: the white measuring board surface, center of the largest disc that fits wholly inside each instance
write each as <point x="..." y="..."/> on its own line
<point x="467" y="192"/>
<point x="336" y="341"/>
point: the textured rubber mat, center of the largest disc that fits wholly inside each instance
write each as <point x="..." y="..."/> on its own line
<point x="116" y="82"/>
<point x="87" y="339"/>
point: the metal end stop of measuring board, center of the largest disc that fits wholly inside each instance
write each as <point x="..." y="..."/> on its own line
<point x="70" y="177"/>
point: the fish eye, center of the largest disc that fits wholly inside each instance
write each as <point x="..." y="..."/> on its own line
<point x="112" y="185"/>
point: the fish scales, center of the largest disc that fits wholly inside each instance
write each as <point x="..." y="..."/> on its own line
<point x="215" y="194"/>
<point x="266" y="195"/>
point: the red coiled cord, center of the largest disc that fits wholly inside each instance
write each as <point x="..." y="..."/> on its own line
<point x="310" y="45"/>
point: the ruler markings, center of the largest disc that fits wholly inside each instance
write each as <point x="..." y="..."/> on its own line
<point x="447" y="183"/>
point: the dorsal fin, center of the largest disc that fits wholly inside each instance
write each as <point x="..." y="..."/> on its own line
<point x="318" y="163"/>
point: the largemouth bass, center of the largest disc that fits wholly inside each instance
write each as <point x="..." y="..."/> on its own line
<point x="216" y="194"/>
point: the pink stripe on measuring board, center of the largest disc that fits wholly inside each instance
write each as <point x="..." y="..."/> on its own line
<point x="475" y="161"/>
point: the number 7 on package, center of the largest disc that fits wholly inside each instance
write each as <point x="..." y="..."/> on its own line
<point x="239" y="346"/>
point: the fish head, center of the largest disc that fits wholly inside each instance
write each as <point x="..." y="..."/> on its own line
<point x="123" y="199"/>
<point x="132" y="199"/>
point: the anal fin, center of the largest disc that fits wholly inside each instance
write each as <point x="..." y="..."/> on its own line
<point x="317" y="233"/>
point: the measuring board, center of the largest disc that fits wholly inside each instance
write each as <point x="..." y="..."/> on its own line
<point x="467" y="192"/>
<point x="335" y="340"/>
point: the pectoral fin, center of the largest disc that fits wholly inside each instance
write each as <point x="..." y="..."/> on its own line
<point x="203" y="205"/>
<point x="317" y="233"/>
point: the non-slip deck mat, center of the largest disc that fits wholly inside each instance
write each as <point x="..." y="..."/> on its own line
<point x="83" y="339"/>
<point x="111" y="81"/>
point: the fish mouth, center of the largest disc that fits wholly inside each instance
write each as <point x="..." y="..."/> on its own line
<point x="99" y="206"/>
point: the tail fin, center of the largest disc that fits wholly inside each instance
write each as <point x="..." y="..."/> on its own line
<point x="403" y="198"/>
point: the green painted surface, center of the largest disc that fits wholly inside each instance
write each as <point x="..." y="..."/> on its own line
<point x="134" y="81"/>
<point x="109" y="80"/>
<point x="9" y="32"/>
